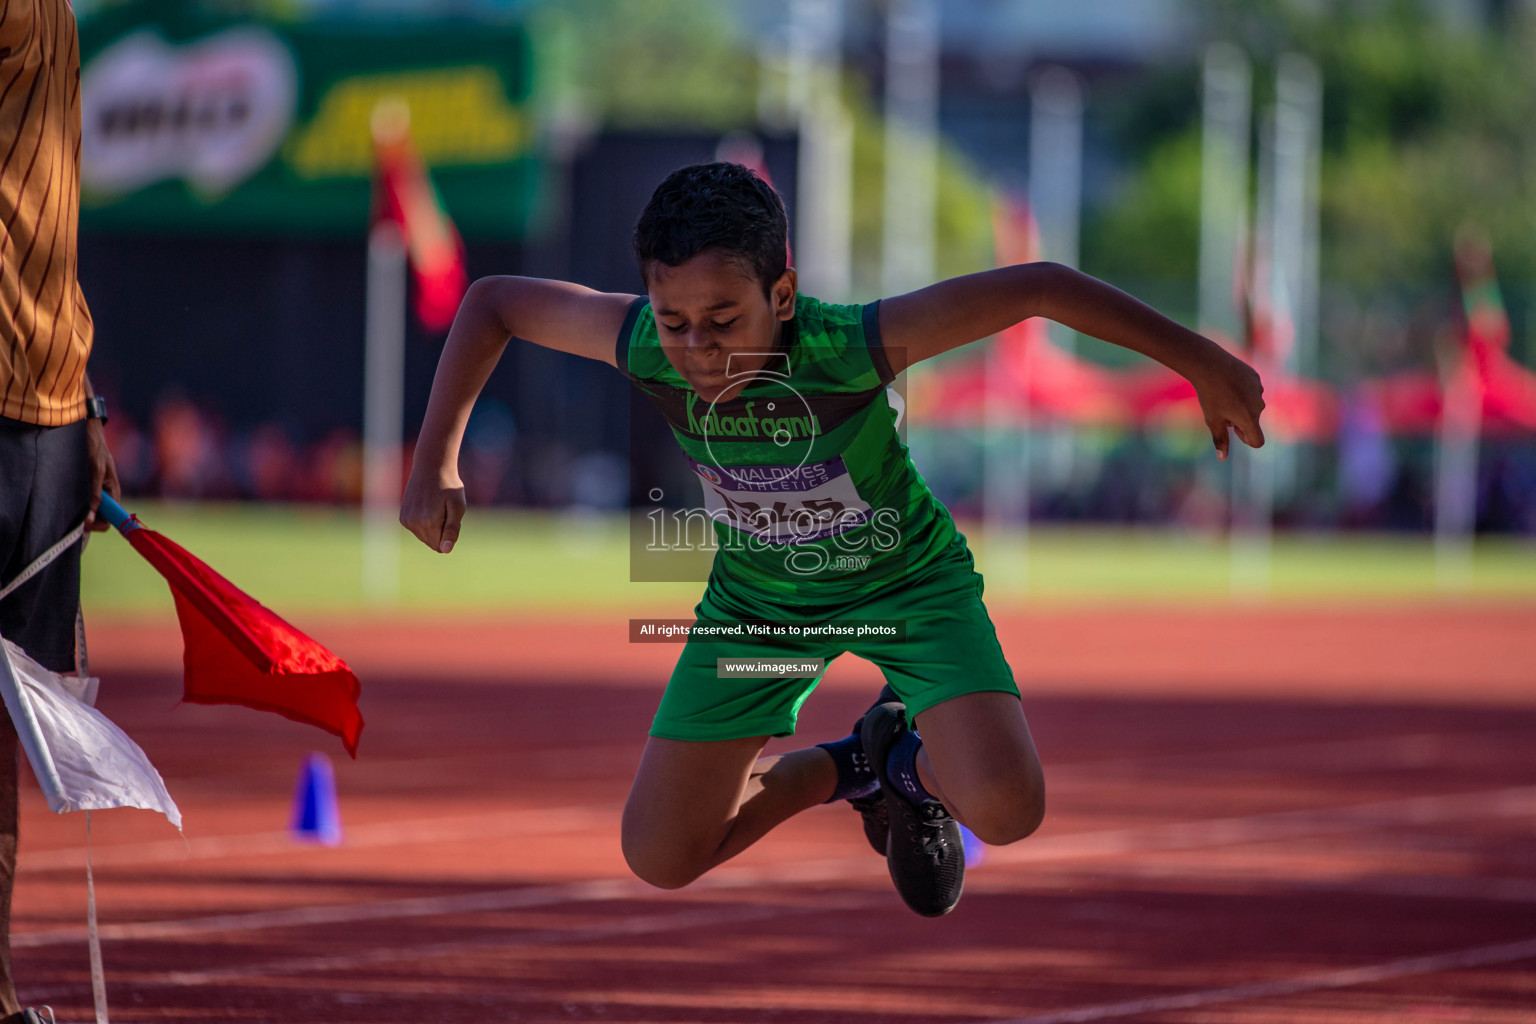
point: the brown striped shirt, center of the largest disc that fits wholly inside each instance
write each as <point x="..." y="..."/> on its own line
<point x="45" y="327"/>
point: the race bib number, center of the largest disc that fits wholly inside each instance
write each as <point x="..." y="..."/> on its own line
<point x="784" y="504"/>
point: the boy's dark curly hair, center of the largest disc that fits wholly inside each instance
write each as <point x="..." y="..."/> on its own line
<point x="715" y="206"/>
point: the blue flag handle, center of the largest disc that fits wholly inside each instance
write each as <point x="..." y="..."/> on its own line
<point x="112" y="512"/>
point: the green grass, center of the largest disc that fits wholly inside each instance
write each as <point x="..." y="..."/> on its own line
<point x="312" y="559"/>
<point x="1103" y="564"/>
<point x="306" y="559"/>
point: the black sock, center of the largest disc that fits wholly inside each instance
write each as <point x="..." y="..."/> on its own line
<point x="901" y="766"/>
<point x="855" y="777"/>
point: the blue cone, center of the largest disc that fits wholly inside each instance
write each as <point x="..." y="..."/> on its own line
<point x="316" y="816"/>
<point x="975" y="849"/>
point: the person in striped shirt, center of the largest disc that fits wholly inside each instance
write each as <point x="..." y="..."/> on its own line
<point x="54" y="460"/>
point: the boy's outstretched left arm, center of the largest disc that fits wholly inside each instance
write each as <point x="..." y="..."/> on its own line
<point x="944" y="316"/>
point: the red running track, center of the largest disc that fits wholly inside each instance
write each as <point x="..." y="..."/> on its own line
<point x="1249" y="822"/>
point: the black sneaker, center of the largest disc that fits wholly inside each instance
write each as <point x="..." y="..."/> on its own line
<point x="924" y="851"/>
<point x="877" y="820"/>
<point x="30" y="1015"/>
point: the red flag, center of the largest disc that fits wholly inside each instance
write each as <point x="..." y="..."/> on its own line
<point x="745" y="149"/>
<point x="1016" y="239"/>
<point x="1015" y="234"/>
<point x="237" y="651"/>
<point x="404" y="195"/>
<point x="1487" y="323"/>
<point x="1507" y="390"/>
<point x="1049" y="379"/>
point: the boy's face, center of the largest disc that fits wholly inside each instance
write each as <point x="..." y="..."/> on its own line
<point x="712" y="315"/>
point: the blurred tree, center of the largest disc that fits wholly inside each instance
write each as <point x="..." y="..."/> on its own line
<point x="687" y="65"/>
<point x="664" y="64"/>
<point x="1428" y="124"/>
<point x="1147" y="239"/>
<point x="963" y="233"/>
<point x="1425" y="129"/>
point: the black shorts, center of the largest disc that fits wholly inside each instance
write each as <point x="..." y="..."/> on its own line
<point x="45" y="491"/>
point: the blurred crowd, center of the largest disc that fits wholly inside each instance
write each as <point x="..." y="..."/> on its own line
<point x="187" y="452"/>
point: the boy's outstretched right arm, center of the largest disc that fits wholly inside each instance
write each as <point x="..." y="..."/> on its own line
<point x="554" y="314"/>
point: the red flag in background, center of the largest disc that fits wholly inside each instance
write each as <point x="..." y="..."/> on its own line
<point x="1482" y="300"/>
<point x="237" y="651"/>
<point x="1015" y="240"/>
<point x="404" y="195"/>
<point x="746" y="149"/>
<point x="1030" y="376"/>
<point x="1508" y="389"/>
<point x="1052" y="381"/>
<point x="1478" y="378"/>
<point x="1296" y="408"/>
<point x="1015" y="234"/>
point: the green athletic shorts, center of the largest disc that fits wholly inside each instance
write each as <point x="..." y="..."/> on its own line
<point x="950" y="649"/>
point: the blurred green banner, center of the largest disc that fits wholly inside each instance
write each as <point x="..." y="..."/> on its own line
<point x="193" y="122"/>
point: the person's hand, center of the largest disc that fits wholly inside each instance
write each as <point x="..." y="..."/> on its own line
<point x="1231" y="396"/>
<point x="433" y="508"/>
<point x="103" y="473"/>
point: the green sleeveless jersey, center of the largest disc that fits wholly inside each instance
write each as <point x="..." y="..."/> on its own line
<point x="813" y="496"/>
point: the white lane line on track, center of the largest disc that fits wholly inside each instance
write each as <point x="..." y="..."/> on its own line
<point x="1317" y="757"/>
<point x="1496" y="890"/>
<point x="1426" y="810"/>
<point x="1484" y="889"/>
<point x="1223" y="832"/>
<point x="1479" y="956"/>
<point x="420" y="831"/>
<point x="597" y="890"/>
<point x="1321" y="757"/>
<point x="633" y="925"/>
<point x="561" y="761"/>
<point x="349" y="913"/>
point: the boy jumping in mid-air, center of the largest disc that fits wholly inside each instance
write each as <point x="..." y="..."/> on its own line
<point x="780" y="403"/>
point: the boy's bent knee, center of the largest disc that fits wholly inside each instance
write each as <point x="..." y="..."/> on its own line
<point x="664" y="876"/>
<point x="1000" y="830"/>
<point x="662" y="872"/>
<point x="1006" y="817"/>
<point x="663" y="865"/>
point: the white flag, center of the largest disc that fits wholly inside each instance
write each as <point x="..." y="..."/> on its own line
<point x="81" y="760"/>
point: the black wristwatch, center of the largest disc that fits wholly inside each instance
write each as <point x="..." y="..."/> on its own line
<point x="96" y="409"/>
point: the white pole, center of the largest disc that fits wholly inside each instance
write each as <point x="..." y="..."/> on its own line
<point x="383" y="415"/>
<point x="1298" y="91"/>
<point x="824" y="189"/>
<point x="806" y="20"/>
<point x="1253" y="475"/>
<point x="774" y="106"/>
<point x="1253" y="472"/>
<point x="1056" y="164"/>
<point x="911" y="145"/>
<point x="1224" y="158"/>
<point x="1055" y="195"/>
<point x="1226" y="148"/>
<point x="1296" y="101"/>
<point x="835" y="202"/>
<point x="1299" y="97"/>
<point x="1004" y="477"/>
<point x="1456" y="440"/>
